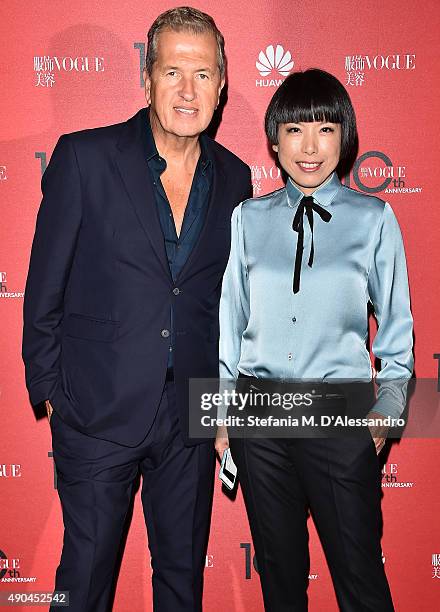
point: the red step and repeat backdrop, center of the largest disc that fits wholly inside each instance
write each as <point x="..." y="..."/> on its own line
<point x="73" y="65"/>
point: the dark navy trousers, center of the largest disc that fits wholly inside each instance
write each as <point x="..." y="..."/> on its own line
<point x="95" y="484"/>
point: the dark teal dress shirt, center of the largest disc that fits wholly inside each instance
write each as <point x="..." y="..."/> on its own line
<point x="179" y="247"/>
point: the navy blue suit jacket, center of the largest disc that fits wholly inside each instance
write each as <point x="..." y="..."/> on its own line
<point x="99" y="289"/>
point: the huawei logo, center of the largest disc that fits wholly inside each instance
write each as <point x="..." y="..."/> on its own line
<point x="274" y="59"/>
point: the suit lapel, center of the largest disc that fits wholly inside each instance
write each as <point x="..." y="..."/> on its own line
<point x="133" y="168"/>
<point x="215" y="196"/>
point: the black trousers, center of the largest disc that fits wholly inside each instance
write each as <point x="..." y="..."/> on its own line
<point x="95" y="485"/>
<point x="338" y="479"/>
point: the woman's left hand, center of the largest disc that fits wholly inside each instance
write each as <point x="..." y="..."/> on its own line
<point x="221" y="441"/>
<point x="378" y="432"/>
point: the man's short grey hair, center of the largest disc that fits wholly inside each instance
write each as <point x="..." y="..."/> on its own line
<point x="187" y="19"/>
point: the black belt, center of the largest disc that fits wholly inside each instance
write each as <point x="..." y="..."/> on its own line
<point x="321" y="390"/>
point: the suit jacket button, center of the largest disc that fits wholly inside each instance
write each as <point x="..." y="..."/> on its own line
<point x="165" y="333"/>
<point x="176" y="290"/>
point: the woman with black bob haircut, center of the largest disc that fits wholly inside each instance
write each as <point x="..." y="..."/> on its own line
<point x="315" y="95"/>
<point x="305" y="262"/>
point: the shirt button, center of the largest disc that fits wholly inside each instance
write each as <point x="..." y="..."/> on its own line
<point x="289" y="356"/>
<point x="165" y="333"/>
<point x="176" y="290"/>
<point x="293" y="319"/>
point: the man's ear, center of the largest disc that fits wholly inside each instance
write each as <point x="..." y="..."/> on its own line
<point x="147" y="83"/>
<point x="222" y="84"/>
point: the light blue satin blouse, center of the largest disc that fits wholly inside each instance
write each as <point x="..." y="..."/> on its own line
<point x="319" y="333"/>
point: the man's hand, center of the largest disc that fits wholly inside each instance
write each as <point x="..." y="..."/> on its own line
<point x="378" y="432"/>
<point x="49" y="409"/>
<point x="221" y="441"/>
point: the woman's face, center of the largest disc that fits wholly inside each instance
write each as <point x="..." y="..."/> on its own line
<point x="309" y="152"/>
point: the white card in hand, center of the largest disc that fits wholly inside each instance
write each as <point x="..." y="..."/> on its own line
<point x="228" y="470"/>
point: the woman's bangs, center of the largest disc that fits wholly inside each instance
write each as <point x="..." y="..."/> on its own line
<point x="311" y="111"/>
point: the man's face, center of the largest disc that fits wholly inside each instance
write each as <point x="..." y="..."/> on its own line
<point x="184" y="87"/>
<point x="309" y="152"/>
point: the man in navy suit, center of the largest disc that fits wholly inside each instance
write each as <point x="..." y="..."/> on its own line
<point x="121" y="309"/>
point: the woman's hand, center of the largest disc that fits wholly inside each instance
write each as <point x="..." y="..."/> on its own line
<point x="221" y="441"/>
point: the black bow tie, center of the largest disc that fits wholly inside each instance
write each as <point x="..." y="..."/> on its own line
<point x="309" y="205"/>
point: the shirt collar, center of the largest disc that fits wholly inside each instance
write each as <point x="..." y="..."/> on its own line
<point x="152" y="152"/>
<point x="324" y="195"/>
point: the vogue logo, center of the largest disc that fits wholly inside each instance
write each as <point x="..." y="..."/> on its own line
<point x="390" y="478"/>
<point x="10" y="470"/>
<point x="374" y="172"/>
<point x="273" y="60"/>
<point x="8" y="567"/>
<point x="356" y="65"/>
<point x="10" y="570"/>
<point x="4" y="293"/>
<point x="45" y="67"/>
<point x="263" y="173"/>
<point x="436" y="565"/>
